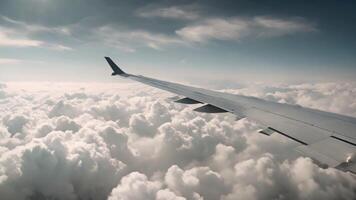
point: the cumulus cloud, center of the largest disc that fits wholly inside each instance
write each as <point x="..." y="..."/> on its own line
<point x="236" y="28"/>
<point x="128" y="141"/>
<point x="62" y="108"/>
<point x="15" y="123"/>
<point x="135" y="186"/>
<point x="332" y="97"/>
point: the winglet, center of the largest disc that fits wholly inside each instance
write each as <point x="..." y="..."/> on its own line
<point x="115" y="68"/>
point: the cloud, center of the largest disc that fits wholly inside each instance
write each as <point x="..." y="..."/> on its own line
<point x="33" y="28"/>
<point x="15" y="123"/>
<point x="333" y="97"/>
<point x="172" y="12"/>
<point x="13" y="38"/>
<point x="195" y="183"/>
<point x="129" y="40"/>
<point x="167" y="195"/>
<point x="59" y="47"/>
<point x="7" y="39"/>
<point x="15" y="33"/>
<point x="235" y="28"/>
<point x="272" y="27"/>
<point x="9" y="61"/>
<point x="63" y="109"/>
<point x="269" y="179"/>
<point x="128" y="141"/>
<point x="64" y="123"/>
<point x="135" y="186"/>
<point x="197" y="28"/>
<point x="13" y="61"/>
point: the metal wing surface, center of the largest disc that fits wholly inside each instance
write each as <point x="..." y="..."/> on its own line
<point x="327" y="138"/>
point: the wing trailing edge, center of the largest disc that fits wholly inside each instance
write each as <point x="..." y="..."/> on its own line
<point x="187" y="100"/>
<point x="210" y="109"/>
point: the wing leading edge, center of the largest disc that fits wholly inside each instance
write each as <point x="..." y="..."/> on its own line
<point x="328" y="138"/>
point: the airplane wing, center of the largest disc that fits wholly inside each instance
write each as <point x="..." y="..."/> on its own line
<point x="327" y="138"/>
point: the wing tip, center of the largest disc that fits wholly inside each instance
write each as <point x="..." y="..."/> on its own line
<point x="117" y="70"/>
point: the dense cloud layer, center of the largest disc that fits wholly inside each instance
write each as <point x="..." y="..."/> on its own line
<point x="127" y="141"/>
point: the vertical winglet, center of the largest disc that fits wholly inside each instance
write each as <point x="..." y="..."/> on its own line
<point x="115" y="68"/>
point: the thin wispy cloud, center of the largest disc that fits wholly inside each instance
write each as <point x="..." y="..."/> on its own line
<point x="20" y="34"/>
<point x="9" y="61"/>
<point x="9" y="38"/>
<point x="272" y="27"/>
<point x="130" y="40"/>
<point x="202" y="31"/>
<point x="33" y="28"/>
<point x="172" y="12"/>
<point x="15" y="61"/>
<point x="59" y="47"/>
<point x="236" y="28"/>
<point x="198" y="28"/>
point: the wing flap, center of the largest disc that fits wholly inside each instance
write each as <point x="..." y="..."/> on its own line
<point x="268" y="131"/>
<point x="210" y="109"/>
<point x="317" y="156"/>
<point x="332" y="152"/>
<point x="187" y="100"/>
<point x="298" y="131"/>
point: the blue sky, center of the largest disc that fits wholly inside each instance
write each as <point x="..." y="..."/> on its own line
<point x="66" y="40"/>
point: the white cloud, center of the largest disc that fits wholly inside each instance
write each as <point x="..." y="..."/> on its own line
<point x="33" y="28"/>
<point x="15" y="123"/>
<point x="7" y="39"/>
<point x="195" y="183"/>
<point x="59" y="47"/>
<point x="168" y="195"/>
<point x="9" y="61"/>
<point x="221" y="29"/>
<point x="10" y="37"/>
<point x="235" y="28"/>
<point x="65" y="109"/>
<point x="135" y="186"/>
<point x="20" y="34"/>
<point x="126" y="141"/>
<point x="173" y="12"/>
<point x="64" y="123"/>
<point x="199" y="28"/>
<point x="129" y="40"/>
<point x="277" y="27"/>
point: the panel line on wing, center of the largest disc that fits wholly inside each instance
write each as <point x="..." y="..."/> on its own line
<point x="288" y="136"/>
<point x="348" y="142"/>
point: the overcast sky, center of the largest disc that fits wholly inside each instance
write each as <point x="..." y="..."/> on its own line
<point x="66" y="40"/>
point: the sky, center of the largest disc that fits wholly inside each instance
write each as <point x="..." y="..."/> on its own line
<point x="240" y="40"/>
